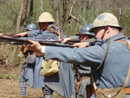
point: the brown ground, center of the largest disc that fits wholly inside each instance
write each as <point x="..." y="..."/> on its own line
<point x="9" y="87"/>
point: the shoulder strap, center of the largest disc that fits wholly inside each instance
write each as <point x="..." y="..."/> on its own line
<point x="54" y="31"/>
<point x="128" y="75"/>
<point x="127" y="42"/>
<point x="108" y="44"/>
<point x="126" y="81"/>
<point x="93" y="81"/>
<point x="127" y="78"/>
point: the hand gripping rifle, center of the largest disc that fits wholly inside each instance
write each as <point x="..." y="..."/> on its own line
<point x="24" y="41"/>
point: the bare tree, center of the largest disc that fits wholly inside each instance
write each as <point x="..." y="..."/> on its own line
<point x="64" y="17"/>
<point x="71" y="17"/>
<point x="56" y="11"/>
<point x="24" y="12"/>
<point x="31" y="8"/>
<point x="41" y="6"/>
<point x="19" y="17"/>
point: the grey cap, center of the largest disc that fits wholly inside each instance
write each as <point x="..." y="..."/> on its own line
<point x="105" y="19"/>
<point x="85" y="30"/>
<point x="31" y="27"/>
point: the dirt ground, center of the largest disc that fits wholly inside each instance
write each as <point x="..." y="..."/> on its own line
<point x="9" y="86"/>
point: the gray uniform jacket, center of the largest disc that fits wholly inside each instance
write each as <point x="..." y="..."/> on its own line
<point x="74" y="38"/>
<point x="115" y="68"/>
<point x="82" y="70"/>
<point x="30" y="73"/>
<point x="63" y="81"/>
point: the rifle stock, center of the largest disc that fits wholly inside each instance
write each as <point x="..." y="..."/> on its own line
<point x="21" y="41"/>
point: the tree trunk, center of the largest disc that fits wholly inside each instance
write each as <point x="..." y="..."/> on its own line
<point x="41" y="7"/>
<point x="64" y="12"/>
<point x="24" y="12"/>
<point x="19" y="18"/>
<point x="17" y="31"/>
<point x="56" y="11"/>
<point x="31" y="8"/>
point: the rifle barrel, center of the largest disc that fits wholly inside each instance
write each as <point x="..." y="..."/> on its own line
<point x="21" y="41"/>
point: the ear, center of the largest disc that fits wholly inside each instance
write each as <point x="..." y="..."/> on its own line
<point x="108" y="28"/>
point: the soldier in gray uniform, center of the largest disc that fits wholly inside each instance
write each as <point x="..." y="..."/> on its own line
<point x="82" y="36"/>
<point x="114" y="69"/>
<point x="31" y="27"/>
<point x="30" y="70"/>
<point x="63" y="81"/>
<point x="82" y="73"/>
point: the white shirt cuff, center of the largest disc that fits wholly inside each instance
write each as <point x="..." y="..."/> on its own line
<point x="43" y="49"/>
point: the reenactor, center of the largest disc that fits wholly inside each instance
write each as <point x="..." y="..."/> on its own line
<point x="61" y="82"/>
<point x="82" y="73"/>
<point x="109" y="57"/>
<point x="30" y="69"/>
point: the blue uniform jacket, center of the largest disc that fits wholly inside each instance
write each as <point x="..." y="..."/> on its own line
<point x="115" y="67"/>
<point x="30" y="73"/>
<point x="63" y="81"/>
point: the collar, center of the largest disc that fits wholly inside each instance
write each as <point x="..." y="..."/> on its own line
<point x="113" y="38"/>
<point x="117" y="37"/>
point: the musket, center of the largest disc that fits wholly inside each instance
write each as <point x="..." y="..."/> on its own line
<point x="8" y="34"/>
<point x="22" y="41"/>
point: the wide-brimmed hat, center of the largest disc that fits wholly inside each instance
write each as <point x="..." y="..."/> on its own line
<point x="45" y="17"/>
<point x="105" y="19"/>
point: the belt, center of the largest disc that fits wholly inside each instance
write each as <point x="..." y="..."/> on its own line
<point x="84" y="77"/>
<point x="77" y="83"/>
<point x="127" y="90"/>
<point x="88" y="88"/>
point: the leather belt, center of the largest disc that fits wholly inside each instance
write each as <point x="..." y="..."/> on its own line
<point x="77" y="83"/>
<point x="88" y="88"/>
<point x="127" y="90"/>
<point x="84" y="77"/>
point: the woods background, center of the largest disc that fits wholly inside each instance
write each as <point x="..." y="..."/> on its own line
<point x="69" y="14"/>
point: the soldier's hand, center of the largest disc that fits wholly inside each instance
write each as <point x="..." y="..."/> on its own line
<point x="81" y="44"/>
<point x="23" y="34"/>
<point x="65" y="40"/>
<point x="1" y="34"/>
<point x="34" y="46"/>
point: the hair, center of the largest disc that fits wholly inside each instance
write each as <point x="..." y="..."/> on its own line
<point x="90" y="36"/>
<point x="116" y="28"/>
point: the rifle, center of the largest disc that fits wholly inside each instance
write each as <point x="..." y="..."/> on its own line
<point x="21" y="41"/>
<point x="8" y="34"/>
<point x="13" y="40"/>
